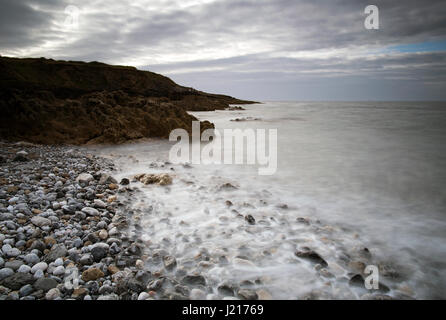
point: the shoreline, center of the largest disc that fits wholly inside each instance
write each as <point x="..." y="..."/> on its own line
<point x="59" y="221"/>
<point x="200" y="232"/>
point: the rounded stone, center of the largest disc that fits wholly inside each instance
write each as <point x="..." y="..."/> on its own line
<point x="24" y="269"/>
<point x="26" y="290"/>
<point x="31" y="258"/>
<point x="58" y="262"/>
<point x="103" y="234"/>
<point x="60" y="270"/>
<point x="6" y="272"/>
<point x="143" y="296"/>
<point x="39" y="266"/>
<point x="38" y="274"/>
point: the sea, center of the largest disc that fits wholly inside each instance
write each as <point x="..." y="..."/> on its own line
<point x="359" y="183"/>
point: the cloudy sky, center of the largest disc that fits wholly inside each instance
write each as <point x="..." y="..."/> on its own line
<point x="258" y="49"/>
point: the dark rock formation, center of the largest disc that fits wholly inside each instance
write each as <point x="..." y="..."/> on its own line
<point x="55" y="102"/>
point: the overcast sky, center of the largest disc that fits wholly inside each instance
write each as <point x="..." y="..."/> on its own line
<point x="259" y="49"/>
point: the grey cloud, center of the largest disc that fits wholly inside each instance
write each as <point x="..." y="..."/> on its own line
<point x="17" y="22"/>
<point x="258" y="34"/>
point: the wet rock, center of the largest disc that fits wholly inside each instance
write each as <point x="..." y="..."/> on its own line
<point x="311" y="256"/>
<point x="169" y="262"/>
<point x="113" y="186"/>
<point x="357" y="266"/>
<point x="143" y="277"/>
<point x="155" y="284"/>
<point x="325" y="273"/>
<point x="183" y="290"/>
<point x="124" y="181"/>
<point x="225" y="290"/>
<point x="357" y="281"/>
<point x="161" y="179"/>
<point x="139" y="264"/>
<point x="194" y="280"/>
<point x="365" y="253"/>
<point x="243" y="263"/>
<point x="302" y="220"/>
<point x="247" y="294"/>
<point x="388" y="271"/>
<point x="250" y="219"/>
<point x="227" y="186"/>
<point x="264" y="295"/>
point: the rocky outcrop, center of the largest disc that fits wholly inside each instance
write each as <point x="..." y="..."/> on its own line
<point x="70" y="102"/>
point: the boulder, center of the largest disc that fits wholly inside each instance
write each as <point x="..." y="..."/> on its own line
<point x="17" y="280"/>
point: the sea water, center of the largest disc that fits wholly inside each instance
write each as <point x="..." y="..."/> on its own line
<point x="361" y="175"/>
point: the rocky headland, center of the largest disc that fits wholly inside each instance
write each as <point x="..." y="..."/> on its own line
<point x="71" y="102"/>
